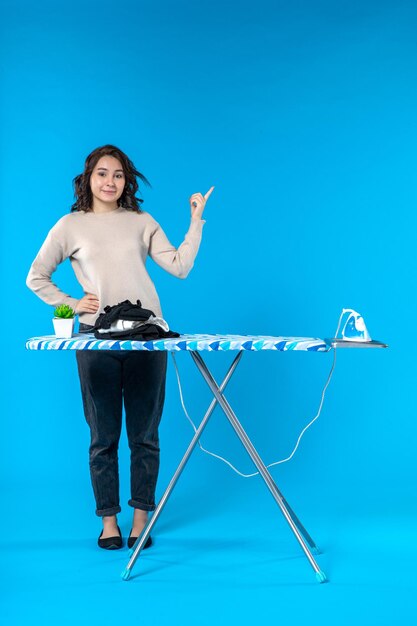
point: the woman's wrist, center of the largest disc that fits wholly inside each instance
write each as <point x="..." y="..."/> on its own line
<point x="197" y="219"/>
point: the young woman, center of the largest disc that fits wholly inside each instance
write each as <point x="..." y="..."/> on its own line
<point x="107" y="238"/>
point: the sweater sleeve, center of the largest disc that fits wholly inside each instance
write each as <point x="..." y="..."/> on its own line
<point x="176" y="261"/>
<point x="41" y="270"/>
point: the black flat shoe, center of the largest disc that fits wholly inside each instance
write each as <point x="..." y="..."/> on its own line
<point x="111" y="543"/>
<point x="131" y="541"/>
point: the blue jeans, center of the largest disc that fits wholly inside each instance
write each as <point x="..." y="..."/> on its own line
<point x="109" y="379"/>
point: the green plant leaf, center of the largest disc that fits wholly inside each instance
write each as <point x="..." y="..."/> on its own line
<point x="64" y="311"/>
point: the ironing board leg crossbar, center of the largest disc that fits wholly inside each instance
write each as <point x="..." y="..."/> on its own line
<point x="304" y="539"/>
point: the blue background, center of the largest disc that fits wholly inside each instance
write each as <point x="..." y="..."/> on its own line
<point x="303" y="116"/>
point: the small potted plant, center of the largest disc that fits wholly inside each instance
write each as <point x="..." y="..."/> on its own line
<point x="63" y="321"/>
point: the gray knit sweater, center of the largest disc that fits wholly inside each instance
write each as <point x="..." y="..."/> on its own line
<point x="108" y="253"/>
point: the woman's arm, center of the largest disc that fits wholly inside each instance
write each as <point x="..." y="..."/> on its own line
<point x="39" y="277"/>
<point x="176" y="261"/>
<point x="179" y="261"/>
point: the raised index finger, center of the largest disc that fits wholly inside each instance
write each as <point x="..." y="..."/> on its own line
<point x="207" y="195"/>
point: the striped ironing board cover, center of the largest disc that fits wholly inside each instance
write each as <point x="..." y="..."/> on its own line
<point x="191" y="342"/>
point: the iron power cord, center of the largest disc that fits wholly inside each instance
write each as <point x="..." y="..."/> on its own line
<point x="288" y="458"/>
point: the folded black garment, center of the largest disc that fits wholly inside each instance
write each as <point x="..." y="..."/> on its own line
<point x="131" y="312"/>
<point x="143" y="333"/>
<point x="124" y="310"/>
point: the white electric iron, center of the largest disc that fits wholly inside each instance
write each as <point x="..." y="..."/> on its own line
<point x="352" y="327"/>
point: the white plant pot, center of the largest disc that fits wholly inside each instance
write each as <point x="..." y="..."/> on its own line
<point x="63" y="327"/>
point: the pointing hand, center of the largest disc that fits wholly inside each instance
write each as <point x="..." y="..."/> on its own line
<point x="198" y="202"/>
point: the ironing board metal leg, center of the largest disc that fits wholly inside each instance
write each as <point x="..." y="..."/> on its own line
<point x="292" y="514"/>
<point x="256" y="459"/>
<point x="313" y="546"/>
<point x="147" y="530"/>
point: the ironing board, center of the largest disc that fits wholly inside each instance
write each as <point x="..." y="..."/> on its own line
<point x="195" y="344"/>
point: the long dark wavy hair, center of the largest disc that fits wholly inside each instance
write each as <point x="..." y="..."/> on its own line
<point x="82" y="191"/>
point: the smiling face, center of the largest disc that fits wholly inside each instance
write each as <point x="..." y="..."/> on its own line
<point x="107" y="182"/>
